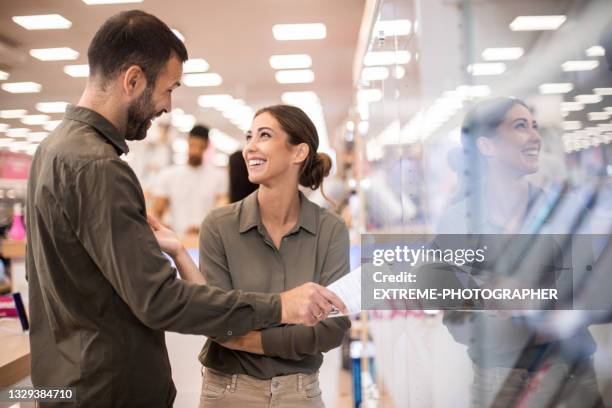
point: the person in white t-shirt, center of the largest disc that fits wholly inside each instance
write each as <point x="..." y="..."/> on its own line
<point x="188" y="192"/>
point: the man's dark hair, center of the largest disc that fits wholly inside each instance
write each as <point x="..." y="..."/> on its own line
<point x="200" y="132"/>
<point x="133" y="38"/>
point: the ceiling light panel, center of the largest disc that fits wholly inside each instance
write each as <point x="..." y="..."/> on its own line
<point x="21" y="87"/>
<point x="291" y="61"/>
<point x="13" y="113"/>
<point x="387" y="58"/>
<point x="537" y="23"/>
<point x="595" y="51"/>
<point x="77" y="71"/>
<point x="293" y="32"/>
<point x="295" y="76"/>
<point x="206" y="79"/>
<point x="54" y="54"/>
<point x="43" y="22"/>
<point x="35" y="119"/>
<point x="4" y="76"/>
<point x="486" y="68"/>
<point x="579" y="65"/>
<point x="556" y="88"/>
<point x="393" y="28"/>
<point x="502" y="54"/>
<point x="193" y="65"/>
<point x="51" y="107"/>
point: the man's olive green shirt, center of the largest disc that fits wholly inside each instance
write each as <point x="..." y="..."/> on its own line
<point x="101" y="293"/>
<point x="236" y="252"/>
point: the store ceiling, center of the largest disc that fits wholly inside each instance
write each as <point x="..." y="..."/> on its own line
<point x="233" y="36"/>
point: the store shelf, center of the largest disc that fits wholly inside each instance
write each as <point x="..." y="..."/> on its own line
<point x="12" y="249"/>
<point x="15" y="356"/>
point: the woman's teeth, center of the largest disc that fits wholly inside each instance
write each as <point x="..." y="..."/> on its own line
<point x="531" y="152"/>
<point x="256" y="162"/>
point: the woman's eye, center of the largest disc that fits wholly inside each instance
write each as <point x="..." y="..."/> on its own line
<point x="265" y="134"/>
<point x="248" y="137"/>
<point x="520" y="126"/>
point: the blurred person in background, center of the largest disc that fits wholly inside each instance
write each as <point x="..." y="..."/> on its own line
<point x="188" y="192"/>
<point x="272" y="240"/>
<point x="239" y="184"/>
<point x="514" y="363"/>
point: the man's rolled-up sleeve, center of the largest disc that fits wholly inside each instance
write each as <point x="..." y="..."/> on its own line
<point x="106" y="208"/>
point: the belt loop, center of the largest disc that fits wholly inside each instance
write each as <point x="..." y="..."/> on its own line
<point x="234" y="381"/>
<point x="300" y="382"/>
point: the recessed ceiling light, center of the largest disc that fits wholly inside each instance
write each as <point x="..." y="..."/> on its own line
<point x="178" y="34"/>
<point x="502" y="54"/>
<point x="4" y="76"/>
<point x="387" y="58"/>
<point x="295" y="76"/>
<point x="17" y="132"/>
<point x="54" y="54"/>
<point x="77" y="71"/>
<point x="13" y="113"/>
<point x="94" y="2"/>
<point x="291" y="61"/>
<point x="595" y="51"/>
<point x="215" y="100"/>
<point x="487" y="68"/>
<point x="300" y="98"/>
<point x="35" y="119"/>
<point x="37" y="137"/>
<point x="598" y="115"/>
<point x="290" y="32"/>
<point x="537" y="23"/>
<point x="21" y="87"/>
<point x="393" y="28"/>
<point x="205" y="79"/>
<point x="579" y="65"/>
<point x="603" y="91"/>
<point x="51" y="107"/>
<point x="369" y="95"/>
<point x="43" y="22"/>
<point x="556" y="88"/>
<point x="588" y="99"/>
<point x="571" y="106"/>
<point x="52" y="124"/>
<point x="4" y="127"/>
<point x="572" y="125"/>
<point x="195" y="65"/>
<point x="375" y="73"/>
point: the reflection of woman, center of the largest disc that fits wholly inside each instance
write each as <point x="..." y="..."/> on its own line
<point x="272" y="240"/>
<point x="512" y="363"/>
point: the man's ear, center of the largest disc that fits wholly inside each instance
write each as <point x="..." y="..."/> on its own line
<point x="486" y="146"/>
<point x="301" y="153"/>
<point x="134" y="81"/>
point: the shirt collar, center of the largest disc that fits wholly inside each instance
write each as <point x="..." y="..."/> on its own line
<point x="250" y="216"/>
<point x="101" y="124"/>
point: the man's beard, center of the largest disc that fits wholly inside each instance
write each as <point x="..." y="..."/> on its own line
<point x="139" y="115"/>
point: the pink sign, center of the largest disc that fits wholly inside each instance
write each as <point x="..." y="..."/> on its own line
<point x="15" y="166"/>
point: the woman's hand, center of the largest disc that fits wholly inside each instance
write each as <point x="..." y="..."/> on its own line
<point x="168" y="240"/>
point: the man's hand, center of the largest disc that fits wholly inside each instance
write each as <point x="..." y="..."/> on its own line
<point x="308" y="304"/>
<point x="167" y="239"/>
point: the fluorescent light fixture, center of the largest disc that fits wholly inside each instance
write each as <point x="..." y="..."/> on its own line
<point x="214" y="101"/>
<point x="295" y="76"/>
<point x="572" y="125"/>
<point x="502" y="54"/>
<point x="43" y="22"/>
<point x="17" y="132"/>
<point x="94" y="2"/>
<point x="205" y="79"/>
<point x="537" y="23"/>
<point x="21" y="87"/>
<point x="35" y="119"/>
<point x="51" y="107"/>
<point x="50" y="125"/>
<point x="579" y="65"/>
<point x="4" y="127"/>
<point x="13" y="113"/>
<point x="300" y="98"/>
<point x="195" y="65"/>
<point x="556" y="88"/>
<point x="292" y="32"/>
<point x="474" y="91"/>
<point x="386" y="58"/>
<point x="595" y="51"/>
<point x="37" y="137"/>
<point x="292" y="61"/>
<point x="369" y="95"/>
<point x="77" y="71"/>
<point x="223" y="142"/>
<point x="393" y="28"/>
<point x="374" y="73"/>
<point x="594" y="116"/>
<point x="608" y="109"/>
<point x="54" y="54"/>
<point x="4" y="76"/>
<point x="571" y="106"/>
<point x="178" y="34"/>
<point x="486" y="68"/>
<point x="399" y="72"/>
<point x="603" y="91"/>
<point x="588" y="99"/>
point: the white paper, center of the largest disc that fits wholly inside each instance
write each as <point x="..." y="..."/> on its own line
<point x="348" y="289"/>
